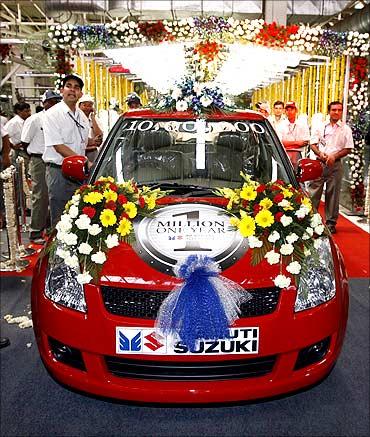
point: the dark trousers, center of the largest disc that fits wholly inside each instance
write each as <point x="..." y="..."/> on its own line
<point x="60" y="190"/>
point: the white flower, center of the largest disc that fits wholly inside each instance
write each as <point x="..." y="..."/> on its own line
<point x="273" y="237"/>
<point x="73" y="211"/>
<point x="62" y="253"/>
<point x="316" y="220"/>
<point x="112" y="241"/>
<point x="68" y="238"/>
<point x="176" y="93"/>
<point x="94" y="229"/>
<point x="254" y="242"/>
<point x="99" y="258"/>
<point x="286" y="220"/>
<point x="84" y="278"/>
<point x="282" y="281"/>
<point x="83" y="222"/>
<point x="206" y="101"/>
<point x="181" y="105"/>
<point x="272" y="257"/>
<point x="63" y="226"/>
<point x="85" y="248"/>
<point x="75" y="198"/>
<point x="292" y="238"/>
<point x="284" y="203"/>
<point x="294" y="268"/>
<point x="306" y="252"/>
<point x="72" y="261"/>
<point x="319" y="229"/>
<point x="302" y="211"/>
<point x="286" y="249"/>
<point x="198" y="88"/>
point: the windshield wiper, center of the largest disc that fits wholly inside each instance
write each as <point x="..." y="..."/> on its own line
<point x="185" y="189"/>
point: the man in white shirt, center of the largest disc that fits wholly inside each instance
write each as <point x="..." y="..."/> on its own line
<point x="66" y="132"/>
<point x="14" y="128"/>
<point x="295" y="134"/>
<point x="331" y="142"/>
<point x="86" y="104"/>
<point x="33" y="140"/>
<point x="278" y="116"/>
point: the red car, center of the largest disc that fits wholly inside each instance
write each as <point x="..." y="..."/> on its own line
<point x="101" y="339"/>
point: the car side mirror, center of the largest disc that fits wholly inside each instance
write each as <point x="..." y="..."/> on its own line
<point x="308" y="169"/>
<point x="75" y="167"/>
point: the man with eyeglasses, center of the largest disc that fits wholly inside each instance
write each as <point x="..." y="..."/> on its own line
<point x="66" y="131"/>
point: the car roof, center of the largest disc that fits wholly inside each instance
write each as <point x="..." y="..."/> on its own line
<point x="219" y="115"/>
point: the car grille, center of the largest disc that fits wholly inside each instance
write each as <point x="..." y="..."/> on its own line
<point x="144" y="304"/>
<point x="187" y="371"/>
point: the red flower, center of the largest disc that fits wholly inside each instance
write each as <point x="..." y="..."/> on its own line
<point x="141" y="202"/>
<point x="261" y="188"/>
<point x="278" y="216"/>
<point x="124" y="215"/>
<point x="122" y="199"/>
<point x="111" y="205"/>
<point x="278" y="198"/>
<point x="257" y="208"/>
<point x="89" y="211"/>
<point x="113" y="187"/>
<point x="83" y="187"/>
<point x="245" y="203"/>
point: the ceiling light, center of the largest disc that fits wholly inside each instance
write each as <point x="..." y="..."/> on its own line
<point x="359" y="5"/>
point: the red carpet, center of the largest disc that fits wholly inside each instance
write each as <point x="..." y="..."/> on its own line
<point x="353" y="242"/>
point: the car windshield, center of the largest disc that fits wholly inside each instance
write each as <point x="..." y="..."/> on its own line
<point x="198" y="153"/>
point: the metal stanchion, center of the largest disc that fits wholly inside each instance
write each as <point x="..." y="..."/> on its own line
<point x="14" y="263"/>
<point x="24" y="203"/>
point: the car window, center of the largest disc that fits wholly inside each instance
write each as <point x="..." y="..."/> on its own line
<point x="194" y="152"/>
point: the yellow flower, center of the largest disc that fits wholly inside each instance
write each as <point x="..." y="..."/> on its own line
<point x="247" y="226"/>
<point x="287" y="193"/>
<point x="110" y="195"/>
<point x="248" y="192"/>
<point x="130" y="209"/>
<point x="307" y="202"/>
<point x="150" y="201"/>
<point x="288" y="207"/>
<point x="93" y="197"/>
<point x="234" y="221"/>
<point x="124" y="227"/>
<point x="128" y="186"/>
<point x="107" y="217"/>
<point x="266" y="203"/>
<point x="264" y="218"/>
<point x="106" y="179"/>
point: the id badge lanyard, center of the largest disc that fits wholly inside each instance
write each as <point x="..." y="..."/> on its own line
<point x="79" y="127"/>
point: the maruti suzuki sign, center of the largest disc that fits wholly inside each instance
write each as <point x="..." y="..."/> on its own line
<point x="177" y="231"/>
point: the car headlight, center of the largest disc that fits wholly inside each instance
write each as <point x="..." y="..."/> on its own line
<point x="317" y="281"/>
<point x="61" y="285"/>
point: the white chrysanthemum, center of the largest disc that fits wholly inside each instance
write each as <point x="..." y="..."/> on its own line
<point x="282" y="281"/>
<point x="286" y="249"/>
<point x="72" y="261"/>
<point x="302" y="212"/>
<point x="319" y="229"/>
<point x="254" y="242"/>
<point x="294" y="268"/>
<point x="272" y="257"/>
<point x="99" y="257"/>
<point x="84" y="278"/>
<point x="284" y="203"/>
<point x="83" y="222"/>
<point x="112" y="241"/>
<point x="176" y="93"/>
<point x="73" y="211"/>
<point x="316" y="220"/>
<point x="76" y="198"/>
<point x="68" y="238"/>
<point x="181" y="105"/>
<point x="62" y="253"/>
<point x="286" y="220"/>
<point x="94" y="229"/>
<point x="292" y="238"/>
<point x="63" y="226"/>
<point x="206" y="101"/>
<point x="274" y="237"/>
<point x="85" y="248"/>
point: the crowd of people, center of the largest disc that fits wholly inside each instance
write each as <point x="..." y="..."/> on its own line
<point x="329" y="141"/>
<point x="66" y="126"/>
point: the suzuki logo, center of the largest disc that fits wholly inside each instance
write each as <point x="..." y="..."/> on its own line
<point x="125" y="344"/>
<point x="153" y="342"/>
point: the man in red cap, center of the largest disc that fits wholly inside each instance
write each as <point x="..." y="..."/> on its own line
<point x="295" y="134"/>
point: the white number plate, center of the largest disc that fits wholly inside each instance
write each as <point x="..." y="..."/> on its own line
<point x="146" y="341"/>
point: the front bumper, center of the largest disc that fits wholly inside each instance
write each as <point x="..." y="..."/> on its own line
<point x="283" y="334"/>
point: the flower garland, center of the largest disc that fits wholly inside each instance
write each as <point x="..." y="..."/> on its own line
<point x="189" y="95"/>
<point x="96" y="219"/>
<point x="273" y="35"/>
<point x="278" y="221"/>
<point x="63" y="66"/>
<point x="154" y="32"/>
